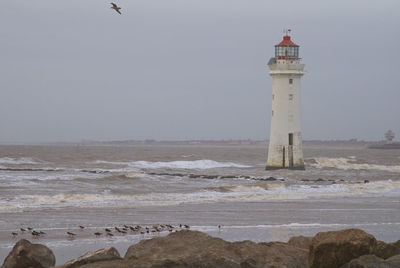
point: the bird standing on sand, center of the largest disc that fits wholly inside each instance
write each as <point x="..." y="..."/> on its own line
<point x="35" y="234"/>
<point x="71" y="235"/>
<point x="115" y="7"/>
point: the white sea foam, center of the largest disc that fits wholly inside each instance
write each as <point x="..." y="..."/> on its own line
<point x="196" y="164"/>
<point x="257" y="193"/>
<point x="133" y="175"/>
<point x="346" y="164"/>
<point x="119" y="163"/>
<point x="18" y="161"/>
<point x="189" y="155"/>
<point x="24" y="178"/>
<point x="262" y="187"/>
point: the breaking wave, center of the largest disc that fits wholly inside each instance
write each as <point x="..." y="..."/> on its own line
<point x="133" y="175"/>
<point x="346" y="164"/>
<point x="241" y="193"/>
<point x="196" y="164"/>
<point x="119" y="163"/>
<point x="263" y="187"/>
<point x="18" y="161"/>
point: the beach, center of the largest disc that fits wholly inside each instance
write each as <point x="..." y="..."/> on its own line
<point x="54" y="189"/>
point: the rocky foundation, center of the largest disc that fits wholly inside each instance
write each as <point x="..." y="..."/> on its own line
<point x="351" y="248"/>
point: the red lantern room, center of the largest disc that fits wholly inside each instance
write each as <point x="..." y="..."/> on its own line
<point x="286" y="49"/>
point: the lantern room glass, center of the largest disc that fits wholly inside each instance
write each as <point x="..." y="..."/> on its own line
<point x="283" y="51"/>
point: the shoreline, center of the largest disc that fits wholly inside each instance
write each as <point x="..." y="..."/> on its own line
<point x="148" y="185"/>
<point x="258" y="222"/>
<point x="298" y="251"/>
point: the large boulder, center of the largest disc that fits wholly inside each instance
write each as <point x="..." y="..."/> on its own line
<point x="195" y="249"/>
<point x="335" y="248"/>
<point x="384" y="250"/>
<point x="303" y="242"/>
<point x="395" y="261"/>
<point x="196" y="262"/>
<point x="107" y="264"/>
<point x="25" y="255"/>
<point x="367" y="261"/>
<point x="167" y="263"/>
<point x="106" y="254"/>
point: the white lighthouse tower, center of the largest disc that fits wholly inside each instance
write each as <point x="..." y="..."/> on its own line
<point x="285" y="143"/>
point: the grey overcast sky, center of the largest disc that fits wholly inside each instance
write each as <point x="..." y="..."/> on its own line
<point x="191" y="69"/>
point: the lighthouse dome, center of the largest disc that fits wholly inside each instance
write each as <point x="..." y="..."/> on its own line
<point x="286" y="49"/>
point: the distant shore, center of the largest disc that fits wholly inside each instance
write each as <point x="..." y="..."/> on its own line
<point x="227" y="142"/>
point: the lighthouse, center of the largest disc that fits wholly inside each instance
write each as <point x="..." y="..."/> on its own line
<point x="285" y="142"/>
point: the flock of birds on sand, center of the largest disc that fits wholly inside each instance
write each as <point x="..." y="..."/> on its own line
<point x="110" y="232"/>
<point x="30" y="229"/>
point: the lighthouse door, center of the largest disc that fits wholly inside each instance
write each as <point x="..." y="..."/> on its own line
<point x="290" y="150"/>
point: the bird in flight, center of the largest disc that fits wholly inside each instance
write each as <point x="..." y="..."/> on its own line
<point x="115" y="7"/>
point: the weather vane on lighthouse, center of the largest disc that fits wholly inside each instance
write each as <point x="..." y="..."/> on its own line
<point x="285" y="141"/>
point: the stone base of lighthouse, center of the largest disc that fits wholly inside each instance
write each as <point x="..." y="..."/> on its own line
<point x="285" y="155"/>
<point x="293" y="168"/>
<point x="276" y="168"/>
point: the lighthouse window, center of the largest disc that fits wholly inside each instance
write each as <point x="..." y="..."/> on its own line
<point x="273" y="96"/>
<point x="291" y="51"/>
<point x="290" y="81"/>
<point x="280" y="51"/>
<point x="272" y="112"/>
<point x="290" y="96"/>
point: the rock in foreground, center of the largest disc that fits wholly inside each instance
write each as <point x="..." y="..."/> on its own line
<point x="352" y="248"/>
<point x="370" y="261"/>
<point x="196" y="249"/>
<point x="384" y="250"/>
<point x="395" y="261"/>
<point x="300" y="242"/>
<point x="25" y="254"/>
<point x="334" y="249"/>
<point x="106" y="254"/>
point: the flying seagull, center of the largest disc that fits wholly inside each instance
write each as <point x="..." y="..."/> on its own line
<point x="115" y="7"/>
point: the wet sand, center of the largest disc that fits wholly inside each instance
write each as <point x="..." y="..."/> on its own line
<point x="264" y="221"/>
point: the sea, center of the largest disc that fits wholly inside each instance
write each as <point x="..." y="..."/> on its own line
<point x="221" y="189"/>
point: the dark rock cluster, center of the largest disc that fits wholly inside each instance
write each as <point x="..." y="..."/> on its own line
<point x="25" y="254"/>
<point x="351" y="248"/>
<point x="211" y="177"/>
